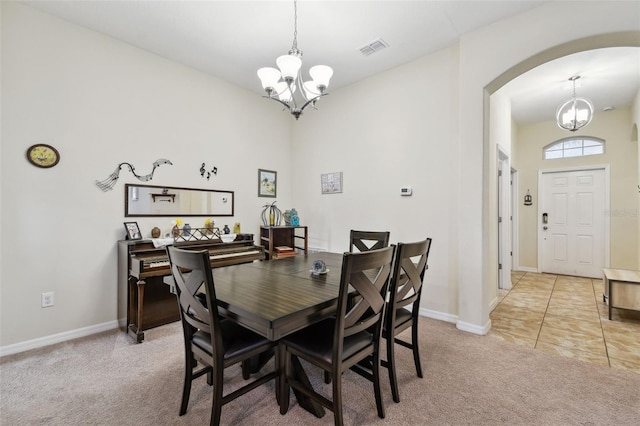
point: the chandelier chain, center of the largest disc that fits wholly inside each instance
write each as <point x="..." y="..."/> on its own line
<point x="294" y="47"/>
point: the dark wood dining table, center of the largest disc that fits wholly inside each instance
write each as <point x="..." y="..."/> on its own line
<point x="275" y="298"/>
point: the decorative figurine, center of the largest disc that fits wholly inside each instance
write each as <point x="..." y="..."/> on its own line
<point x="319" y="267"/>
<point x="226" y="229"/>
<point x="155" y="232"/>
<point x="295" y="220"/>
<point x="209" y="224"/>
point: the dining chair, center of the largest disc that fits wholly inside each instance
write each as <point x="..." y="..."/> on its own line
<point x="409" y="266"/>
<point x="214" y="342"/>
<point x="338" y="343"/>
<point x="368" y="240"/>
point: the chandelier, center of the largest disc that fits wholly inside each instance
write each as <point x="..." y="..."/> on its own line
<point x="285" y="84"/>
<point x="575" y="113"/>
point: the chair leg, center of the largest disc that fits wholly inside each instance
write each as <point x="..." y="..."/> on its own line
<point x="188" y="377"/>
<point x="415" y="347"/>
<point x="216" y="405"/>
<point x="327" y="377"/>
<point x="246" y="369"/>
<point x="284" y="365"/>
<point x="391" y="366"/>
<point x="337" y="397"/>
<point x="376" y="383"/>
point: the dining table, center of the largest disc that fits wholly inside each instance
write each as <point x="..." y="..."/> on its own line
<point x="277" y="297"/>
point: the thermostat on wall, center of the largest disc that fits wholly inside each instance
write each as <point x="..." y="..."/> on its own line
<point x="406" y="191"/>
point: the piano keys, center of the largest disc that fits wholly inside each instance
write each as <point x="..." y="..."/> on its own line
<point x="142" y="296"/>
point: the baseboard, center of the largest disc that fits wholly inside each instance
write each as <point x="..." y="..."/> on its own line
<point x="440" y="316"/>
<point x="525" y="269"/>
<point x="57" y="338"/>
<point x="472" y="328"/>
<point x="460" y="325"/>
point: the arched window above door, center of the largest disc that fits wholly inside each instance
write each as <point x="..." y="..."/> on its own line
<point x="574" y="147"/>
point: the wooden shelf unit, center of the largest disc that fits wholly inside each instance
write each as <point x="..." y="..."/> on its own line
<point x="291" y="236"/>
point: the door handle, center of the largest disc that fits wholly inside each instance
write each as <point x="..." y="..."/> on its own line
<point x="545" y="218"/>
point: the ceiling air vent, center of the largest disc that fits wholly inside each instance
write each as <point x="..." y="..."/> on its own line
<point x="373" y="47"/>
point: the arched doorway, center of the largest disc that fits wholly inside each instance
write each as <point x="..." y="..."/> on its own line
<point x="622" y="39"/>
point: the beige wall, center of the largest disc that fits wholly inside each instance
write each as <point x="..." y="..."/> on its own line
<point x="101" y="102"/>
<point x="615" y="127"/>
<point x="384" y="134"/>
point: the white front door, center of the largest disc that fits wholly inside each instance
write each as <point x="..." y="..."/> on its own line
<point x="572" y="222"/>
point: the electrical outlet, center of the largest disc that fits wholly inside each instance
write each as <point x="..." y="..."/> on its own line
<point x="47" y="299"/>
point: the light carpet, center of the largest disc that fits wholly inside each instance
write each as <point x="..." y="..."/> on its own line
<point x="106" y="379"/>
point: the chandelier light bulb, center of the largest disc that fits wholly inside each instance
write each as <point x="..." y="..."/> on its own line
<point x="289" y="66"/>
<point x="321" y="74"/>
<point x="269" y="77"/>
<point x="284" y="93"/>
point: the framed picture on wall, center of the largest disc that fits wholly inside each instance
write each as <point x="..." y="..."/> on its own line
<point x="267" y="183"/>
<point x="331" y="183"/>
<point x="133" y="231"/>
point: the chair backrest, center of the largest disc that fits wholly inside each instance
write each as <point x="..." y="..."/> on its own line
<point x="191" y="272"/>
<point x="409" y="267"/>
<point x="363" y="288"/>
<point x="368" y="240"/>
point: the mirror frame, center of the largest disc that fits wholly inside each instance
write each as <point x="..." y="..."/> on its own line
<point x="176" y="188"/>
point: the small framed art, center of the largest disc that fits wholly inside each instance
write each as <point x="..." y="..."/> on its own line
<point x="267" y="183"/>
<point x="331" y="183"/>
<point x="133" y="231"/>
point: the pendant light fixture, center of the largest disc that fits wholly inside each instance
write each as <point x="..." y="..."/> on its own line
<point x="285" y="84"/>
<point x="575" y="113"/>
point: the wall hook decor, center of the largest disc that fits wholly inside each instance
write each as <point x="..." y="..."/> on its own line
<point x="203" y="171"/>
<point x="528" y="200"/>
<point x="108" y="183"/>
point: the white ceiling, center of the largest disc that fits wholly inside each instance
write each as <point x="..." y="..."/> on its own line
<point x="232" y="39"/>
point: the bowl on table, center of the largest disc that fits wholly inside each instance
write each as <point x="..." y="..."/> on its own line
<point x="227" y="238"/>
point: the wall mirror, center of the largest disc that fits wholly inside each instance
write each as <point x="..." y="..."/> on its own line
<point x="148" y="200"/>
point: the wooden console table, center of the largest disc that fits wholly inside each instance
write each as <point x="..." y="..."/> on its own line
<point x="620" y="276"/>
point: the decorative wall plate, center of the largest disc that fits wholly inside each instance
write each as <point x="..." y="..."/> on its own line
<point x="43" y="155"/>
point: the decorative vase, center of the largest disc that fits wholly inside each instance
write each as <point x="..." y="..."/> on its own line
<point x="175" y="231"/>
<point x="226" y="229"/>
<point x="236" y="228"/>
<point x="155" y="232"/>
<point x="186" y="230"/>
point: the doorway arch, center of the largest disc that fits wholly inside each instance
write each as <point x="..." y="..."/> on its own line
<point x="618" y="39"/>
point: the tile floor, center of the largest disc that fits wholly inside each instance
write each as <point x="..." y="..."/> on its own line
<point x="566" y="316"/>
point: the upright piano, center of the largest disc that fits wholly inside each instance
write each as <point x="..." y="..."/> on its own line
<point x="143" y="297"/>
